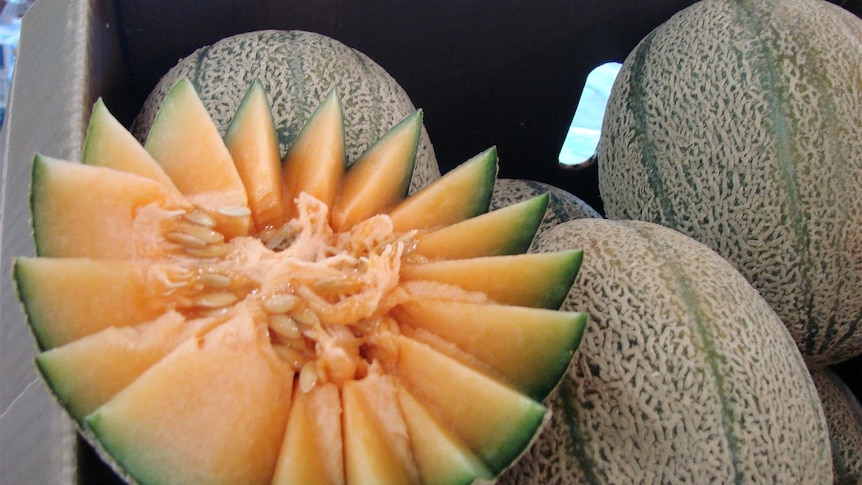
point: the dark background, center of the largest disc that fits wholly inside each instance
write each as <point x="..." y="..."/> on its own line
<point x="505" y="73"/>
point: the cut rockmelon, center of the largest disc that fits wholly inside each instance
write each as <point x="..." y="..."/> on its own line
<point x="109" y="144"/>
<point x="464" y="193"/>
<point x="91" y="370"/>
<point x="252" y="143"/>
<point x="213" y="411"/>
<point x="315" y="162"/>
<point x="540" y="280"/>
<point x="72" y="219"/>
<point x="380" y="177"/>
<point x="352" y="349"/>
<point x="312" y="451"/>
<point x="494" y="333"/>
<point x="474" y="237"/>
<point x="204" y="170"/>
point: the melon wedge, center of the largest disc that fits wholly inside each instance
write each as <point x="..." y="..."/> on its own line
<point x="442" y="458"/>
<point x="474" y="237"/>
<point x="380" y="177"/>
<point x="315" y="162"/>
<point x="376" y="443"/>
<point x="312" y="452"/>
<point x="253" y="144"/>
<point x="460" y="194"/>
<point x="110" y="144"/>
<point x="539" y="280"/>
<point x="177" y="423"/>
<point x="495" y="421"/>
<point x="71" y="217"/>
<point x="494" y="334"/>
<point x="341" y="342"/>
<point x="203" y="170"/>
<point x="86" y="373"/>
<point x="69" y="298"/>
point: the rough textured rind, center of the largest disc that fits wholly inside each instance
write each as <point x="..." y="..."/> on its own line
<point x="685" y="374"/>
<point x="562" y="206"/>
<point x="844" y="416"/>
<point x="297" y="69"/>
<point x="737" y="123"/>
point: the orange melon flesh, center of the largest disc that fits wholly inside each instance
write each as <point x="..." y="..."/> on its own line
<point x="217" y="352"/>
<point x="376" y="443"/>
<point x="312" y="452"/>
<point x="88" y="372"/>
<point x="213" y="411"/>
<point x="442" y="458"/>
<point x="315" y="163"/>
<point x="186" y="143"/>
<point x="380" y="177"/>
<point x="496" y="334"/>
<point x="462" y="193"/>
<point x="70" y="298"/>
<point x="71" y="217"/>
<point x="540" y="280"/>
<point x="110" y="144"/>
<point x="508" y="230"/>
<point x="495" y="421"/>
<point x="252" y="142"/>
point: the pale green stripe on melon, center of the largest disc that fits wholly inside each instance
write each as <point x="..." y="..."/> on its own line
<point x="700" y="327"/>
<point x="783" y="130"/>
<point x="829" y="126"/>
<point x="570" y="408"/>
<point x="637" y="95"/>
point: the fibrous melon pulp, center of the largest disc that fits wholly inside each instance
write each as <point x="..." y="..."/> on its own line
<point x="212" y="311"/>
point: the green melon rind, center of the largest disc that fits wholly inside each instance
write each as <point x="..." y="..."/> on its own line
<point x="468" y="189"/>
<point x="683" y="360"/>
<point x="753" y="152"/>
<point x="27" y="291"/>
<point x="297" y="69"/>
<point x="530" y="214"/>
<point x="844" y="416"/>
<point x="562" y="205"/>
<point x="520" y="223"/>
<point x="413" y="123"/>
<point x="497" y="450"/>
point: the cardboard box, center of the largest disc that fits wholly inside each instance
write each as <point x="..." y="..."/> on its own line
<point x="506" y="73"/>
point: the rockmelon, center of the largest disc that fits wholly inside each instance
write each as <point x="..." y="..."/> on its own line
<point x="844" y="416"/>
<point x="562" y="205"/>
<point x="737" y="123"/>
<point x="258" y="317"/>
<point x="686" y="375"/>
<point x="297" y="69"/>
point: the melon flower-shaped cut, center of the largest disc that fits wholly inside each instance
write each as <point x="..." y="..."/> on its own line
<point x="210" y="311"/>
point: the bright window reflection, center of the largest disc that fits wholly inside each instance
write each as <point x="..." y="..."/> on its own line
<point x="583" y="137"/>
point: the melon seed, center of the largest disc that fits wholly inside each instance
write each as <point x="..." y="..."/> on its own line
<point x="280" y="302"/>
<point x="285" y="326"/>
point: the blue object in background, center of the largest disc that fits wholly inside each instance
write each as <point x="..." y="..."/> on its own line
<point x="583" y="137"/>
<point x="10" y="33"/>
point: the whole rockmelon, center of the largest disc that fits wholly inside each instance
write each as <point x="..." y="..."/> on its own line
<point x="844" y="416"/>
<point x="215" y="311"/>
<point x="297" y="69"/>
<point x="737" y="123"/>
<point x="686" y="375"/>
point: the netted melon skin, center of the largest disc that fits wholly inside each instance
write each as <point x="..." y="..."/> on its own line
<point x="738" y="124"/>
<point x="685" y="374"/>
<point x="297" y="69"/>
<point x="844" y="416"/>
<point x="562" y="206"/>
